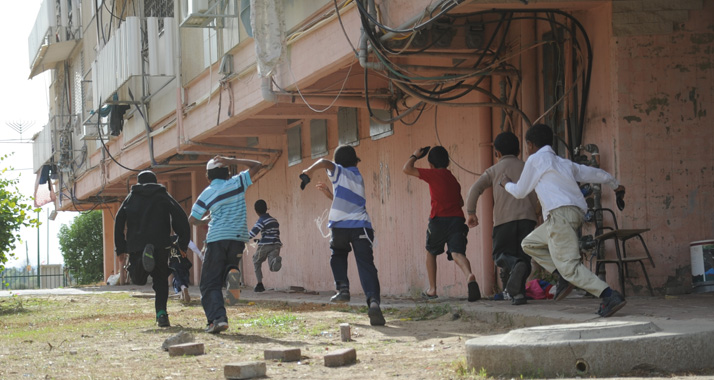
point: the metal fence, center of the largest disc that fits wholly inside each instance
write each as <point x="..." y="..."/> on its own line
<point x="50" y="277"/>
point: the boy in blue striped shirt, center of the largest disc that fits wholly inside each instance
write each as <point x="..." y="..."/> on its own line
<point x="221" y="205"/>
<point x="350" y="225"/>
<point x="269" y="244"/>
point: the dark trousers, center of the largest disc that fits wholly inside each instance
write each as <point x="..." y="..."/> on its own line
<point x="180" y="267"/>
<point x="159" y="276"/>
<point x="507" y="250"/>
<point x="221" y="257"/>
<point x="360" y="240"/>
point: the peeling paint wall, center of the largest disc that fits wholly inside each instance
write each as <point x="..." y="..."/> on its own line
<point x="664" y="96"/>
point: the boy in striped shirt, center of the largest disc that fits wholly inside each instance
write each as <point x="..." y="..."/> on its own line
<point x="221" y="205"/>
<point x="350" y="225"/>
<point x="269" y="244"/>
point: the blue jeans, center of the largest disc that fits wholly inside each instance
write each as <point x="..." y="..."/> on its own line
<point x="360" y="240"/>
<point x="221" y="257"/>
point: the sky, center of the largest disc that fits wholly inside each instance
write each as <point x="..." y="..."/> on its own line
<point x="26" y="101"/>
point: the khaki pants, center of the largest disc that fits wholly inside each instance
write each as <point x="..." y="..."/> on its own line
<point x="554" y="245"/>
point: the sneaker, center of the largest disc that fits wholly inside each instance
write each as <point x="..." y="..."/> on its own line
<point x="276" y="264"/>
<point x="259" y="288"/>
<point x="519" y="300"/>
<point x="217" y="327"/>
<point x="163" y="320"/>
<point x="375" y="314"/>
<point x="147" y="258"/>
<point x="562" y="289"/>
<point x="185" y="297"/>
<point x="233" y="287"/>
<point x="517" y="281"/>
<point x="341" y="297"/>
<point x="610" y="305"/>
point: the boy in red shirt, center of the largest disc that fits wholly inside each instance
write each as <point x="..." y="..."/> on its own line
<point x="447" y="224"/>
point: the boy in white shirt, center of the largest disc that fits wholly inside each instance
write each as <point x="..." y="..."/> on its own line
<point x="554" y="244"/>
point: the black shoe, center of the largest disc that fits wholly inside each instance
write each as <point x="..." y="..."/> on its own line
<point x="375" y="314"/>
<point x="519" y="300"/>
<point x="259" y="288"/>
<point x="517" y="281"/>
<point x="147" y="258"/>
<point x="163" y="320"/>
<point x="341" y="297"/>
<point x="610" y="305"/>
<point x="474" y="291"/>
<point x="562" y="289"/>
<point x="216" y="327"/>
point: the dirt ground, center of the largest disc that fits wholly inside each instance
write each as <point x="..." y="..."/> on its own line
<point x="113" y="336"/>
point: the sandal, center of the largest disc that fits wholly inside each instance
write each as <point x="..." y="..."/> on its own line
<point x="426" y="296"/>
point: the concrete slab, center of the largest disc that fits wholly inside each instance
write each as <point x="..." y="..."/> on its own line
<point x="602" y="348"/>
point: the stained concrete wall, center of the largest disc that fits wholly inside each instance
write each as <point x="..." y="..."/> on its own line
<point x="663" y="133"/>
<point x="650" y="93"/>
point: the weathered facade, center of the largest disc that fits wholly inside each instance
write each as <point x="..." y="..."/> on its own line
<point x="633" y="77"/>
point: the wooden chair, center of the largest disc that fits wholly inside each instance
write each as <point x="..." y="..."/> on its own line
<point x="620" y="238"/>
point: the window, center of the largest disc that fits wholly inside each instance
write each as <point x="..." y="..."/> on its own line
<point x="318" y="138"/>
<point x="378" y="130"/>
<point x="294" y="145"/>
<point x="347" y="131"/>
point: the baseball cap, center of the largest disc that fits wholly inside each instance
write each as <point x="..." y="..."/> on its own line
<point x="212" y="164"/>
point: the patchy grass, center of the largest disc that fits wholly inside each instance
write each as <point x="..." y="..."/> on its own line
<point x="114" y="336"/>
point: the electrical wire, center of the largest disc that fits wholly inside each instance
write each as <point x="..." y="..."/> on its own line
<point x="363" y="11"/>
<point x="290" y="70"/>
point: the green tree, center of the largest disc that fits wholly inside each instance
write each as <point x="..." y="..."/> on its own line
<point x="81" y="246"/>
<point x="15" y="212"/>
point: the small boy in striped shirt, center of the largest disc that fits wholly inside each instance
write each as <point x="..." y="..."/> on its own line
<point x="269" y="244"/>
<point x="350" y="226"/>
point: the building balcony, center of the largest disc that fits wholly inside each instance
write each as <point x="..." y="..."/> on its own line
<point x="56" y="33"/>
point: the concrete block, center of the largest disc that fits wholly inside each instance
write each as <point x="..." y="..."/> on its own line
<point x="244" y="370"/>
<point x="345" y="332"/>
<point x="593" y="349"/>
<point x="340" y="358"/>
<point x="283" y="354"/>
<point x="186" y="349"/>
<point x="180" y="338"/>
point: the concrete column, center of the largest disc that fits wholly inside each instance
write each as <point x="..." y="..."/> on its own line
<point x="111" y="264"/>
<point x="529" y="68"/>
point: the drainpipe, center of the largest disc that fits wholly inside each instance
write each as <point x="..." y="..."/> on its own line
<point x="485" y="158"/>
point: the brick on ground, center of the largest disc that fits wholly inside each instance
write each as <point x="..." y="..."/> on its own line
<point x="282" y="354"/>
<point x="244" y="370"/>
<point x="341" y="357"/>
<point x="186" y="349"/>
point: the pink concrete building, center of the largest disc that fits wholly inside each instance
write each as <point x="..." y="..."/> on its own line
<point x="169" y="84"/>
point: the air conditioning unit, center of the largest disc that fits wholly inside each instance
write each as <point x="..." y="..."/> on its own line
<point x="91" y="132"/>
<point x="197" y="6"/>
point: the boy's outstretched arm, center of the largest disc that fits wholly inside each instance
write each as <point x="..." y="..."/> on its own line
<point x="320" y="164"/>
<point x="253" y="166"/>
<point x="409" y="168"/>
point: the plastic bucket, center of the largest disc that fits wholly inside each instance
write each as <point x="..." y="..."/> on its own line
<point x="702" y="255"/>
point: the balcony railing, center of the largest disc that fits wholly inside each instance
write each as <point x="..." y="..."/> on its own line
<point x="56" y="32"/>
